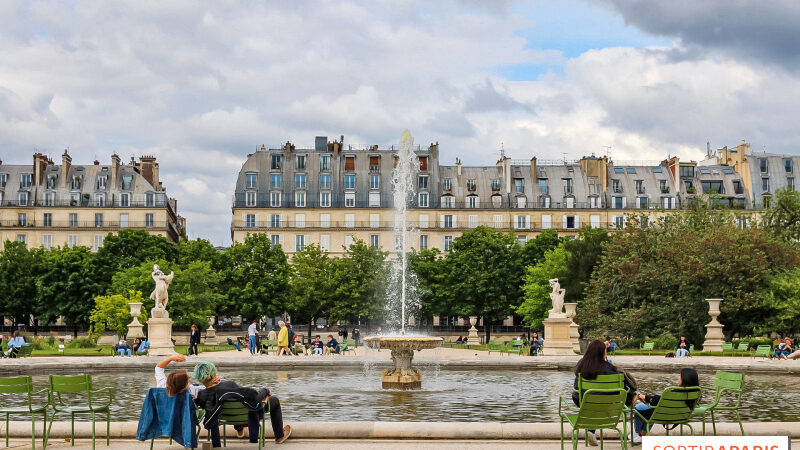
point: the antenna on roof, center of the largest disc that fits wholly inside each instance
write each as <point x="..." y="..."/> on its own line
<point x="502" y="151"/>
<point x="608" y="151"/>
<point x="564" y="155"/>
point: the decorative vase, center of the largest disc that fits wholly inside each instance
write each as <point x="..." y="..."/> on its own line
<point x="135" y="328"/>
<point x="472" y="336"/>
<point x="714" y="336"/>
<point x="211" y="333"/>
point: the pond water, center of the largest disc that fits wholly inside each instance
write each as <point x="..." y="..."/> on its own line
<point x="447" y="395"/>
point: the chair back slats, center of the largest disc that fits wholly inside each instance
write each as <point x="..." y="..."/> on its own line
<point x="74" y="383"/>
<point x="729" y="381"/>
<point x="233" y="412"/>
<point x="674" y="405"/>
<point x="601" y="408"/>
<point x="16" y="385"/>
<point x="615" y="381"/>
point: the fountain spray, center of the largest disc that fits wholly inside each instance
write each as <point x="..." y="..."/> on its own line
<point x="403" y="178"/>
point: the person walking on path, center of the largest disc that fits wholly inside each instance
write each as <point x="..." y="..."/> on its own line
<point x="194" y="341"/>
<point x="356" y="336"/>
<point x="283" y="339"/>
<point x="251" y="335"/>
<point x="291" y="336"/>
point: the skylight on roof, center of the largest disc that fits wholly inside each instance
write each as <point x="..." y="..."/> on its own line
<point x="657" y="169"/>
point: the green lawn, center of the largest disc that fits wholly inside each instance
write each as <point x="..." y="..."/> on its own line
<point x="105" y="350"/>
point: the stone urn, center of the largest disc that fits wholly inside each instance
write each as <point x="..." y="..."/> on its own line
<point x="472" y="336"/>
<point x="211" y="333"/>
<point x="574" y="329"/>
<point x="714" y="336"/>
<point x="135" y="327"/>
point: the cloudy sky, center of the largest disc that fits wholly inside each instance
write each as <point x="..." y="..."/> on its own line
<point x="202" y="84"/>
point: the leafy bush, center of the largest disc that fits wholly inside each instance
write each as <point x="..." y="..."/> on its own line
<point x="753" y="343"/>
<point x="665" y="341"/>
<point x="81" y="343"/>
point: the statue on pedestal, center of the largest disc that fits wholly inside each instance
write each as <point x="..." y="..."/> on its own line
<point x="557" y="297"/>
<point x="160" y="294"/>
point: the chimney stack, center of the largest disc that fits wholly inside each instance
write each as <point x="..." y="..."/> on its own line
<point x="458" y="166"/>
<point x="66" y="163"/>
<point x="115" y="162"/>
<point x="148" y="169"/>
<point x="39" y="167"/>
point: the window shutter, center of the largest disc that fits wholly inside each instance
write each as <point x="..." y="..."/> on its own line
<point x="441" y="222"/>
<point x="349" y="163"/>
<point x="595" y="221"/>
<point x="546" y="221"/>
<point x="527" y="221"/>
<point x="423" y="163"/>
<point x="564" y="222"/>
<point x="577" y="222"/>
<point x="455" y="221"/>
<point x="624" y="202"/>
<point x="374" y="161"/>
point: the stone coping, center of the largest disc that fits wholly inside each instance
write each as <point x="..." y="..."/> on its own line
<point x="403" y="430"/>
<point x="459" y="360"/>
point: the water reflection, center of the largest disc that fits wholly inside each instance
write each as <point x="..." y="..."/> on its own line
<point x="453" y="395"/>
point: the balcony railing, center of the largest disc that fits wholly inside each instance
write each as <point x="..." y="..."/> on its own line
<point x="84" y="204"/>
<point x="460" y="226"/>
<point x="81" y="224"/>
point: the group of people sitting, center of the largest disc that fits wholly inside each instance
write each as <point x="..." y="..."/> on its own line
<point x="785" y="348"/>
<point x="139" y="347"/>
<point x="14" y="344"/>
<point x="212" y="392"/>
<point x="595" y="362"/>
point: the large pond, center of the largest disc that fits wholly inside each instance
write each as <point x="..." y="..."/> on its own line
<point x="447" y="395"/>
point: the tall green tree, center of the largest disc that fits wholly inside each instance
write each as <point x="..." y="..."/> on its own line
<point x="360" y="280"/>
<point x="583" y="254"/>
<point x="256" y="279"/>
<point x="112" y="313"/>
<point x="130" y="248"/>
<point x="18" y="271"/>
<point x="430" y="268"/>
<point x="484" y="274"/>
<point x="536" y="286"/>
<point x="312" y="285"/>
<point x="534" y="250"/>
<point x="783" y="216"/>
<point x="198" y="250"/>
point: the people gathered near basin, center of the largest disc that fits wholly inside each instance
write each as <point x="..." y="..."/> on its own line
<point x="213" y="392"/>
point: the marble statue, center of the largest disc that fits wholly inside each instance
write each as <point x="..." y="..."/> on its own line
<point x="557" y="297"/>
<point x="160" y="294"/>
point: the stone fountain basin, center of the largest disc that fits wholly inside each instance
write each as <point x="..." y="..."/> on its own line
<point x="404" y="342"/>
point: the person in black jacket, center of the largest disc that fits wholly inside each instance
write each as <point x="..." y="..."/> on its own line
<point x="644" y="403"/>
<point x="194" y="341"/>
<point x="594" y="363"/>
<point x="217" y="391"/>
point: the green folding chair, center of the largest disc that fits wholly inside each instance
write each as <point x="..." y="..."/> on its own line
<point x="67" y="386"/>
<point x="743" y="347"/>
<point x="727" y="347"/>
<point x="600" y="409"/>
<point x="605" y="382"/>
<point x="763" y="351"/>
<point x="723" y="382"/>
<point x="648" y="347"/>
<point x="673" y="408"/>
<point x="495" y="346"/>
<point x="235" y="413"/>
<point x="24" y="385"/>
<point x="268" y="347"/>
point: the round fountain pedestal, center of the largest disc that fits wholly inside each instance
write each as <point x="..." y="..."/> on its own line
<point x="403" y="376"/>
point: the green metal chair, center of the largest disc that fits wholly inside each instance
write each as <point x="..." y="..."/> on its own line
<point x="763" y="351"/>
<point x="691" y="351"/>
<point x="78" y="384"/>
<point x="25" y="350"/>
<point x="724" y="381"/>
<point x="348" y="345"/>
<point x="743" y="347"/>
<point x="727" y="347"/>
<point x="268" y="347"/>
<point x="24" y="385"/>
<point x="600" y="409"/>
<point x="648" y="347"/>
<point x="605" y="382"/>
<point x="673" y="408"/>
<point x="495" y="346"/>
<point x="235" y="413"/>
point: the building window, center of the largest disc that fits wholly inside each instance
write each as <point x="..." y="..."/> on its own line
<point x="642" y="202"/>
<point x="616" y="187"/>
<point x="544" y="201"/>
<point x="349" y="163"/>
<point x="374" y="163"/>
<point x="521" y="222"/>
<point x="275" y="181"/>
<point x="546" y="221"/>
<point x="3" y="179"/>
<point x="325" y="199"/>
<point x="619" y="202"/>
<point x="640" y="187"/>
<point x="766" y="201"/>
<point x="374" y="220"/>
<point x="447" y="242"/>
<point x="689" y="187"/>
<point x="274" y="199"/>
<point x="374" y="199"/>
<point x="77" y="181"/>
<point x="47" y="241"/>
<point x="570" y="222"/>
<point x="73" y="220"/>
<point x="686" y="171"/>
<point x="299" y="242"/>
<point x="472" y="201"/>
<point x="22" y="220"/>
<point x="713" y="187"/>
<point x="123" y="221"/>
<point x="23" y="198"/>
<point x="495" y="184"/>
<point x="631" y="170"/>
<point x="423" y="200"/>
<point x="423" y="241"/>
<point x="737" y="187"/>
<point x="276" y="162"/>
<point x="47" y="220"/>
<point x="300" y="181"/>
<point x="250" y="181"/>
<point x="373" y="241"/>
<point x="325" y="181"/>
<point x="325" y="220"/>
<point x="662" y="185"/>
<point x="125" y="199"/>
<point x="349" y="199"/>
<point x="447" y="184"/>
<point x="471" y="185"/>
<point x="74" y="198"/>
<point x="301" y="162"/>
<point x="349" y="220"/>
<point x="472" y="220"/>
<point x="657" y="169"/>
<point x="300" y="220"/>
<point x="787" y="163"/>
<point x="570" y="202"/>
<point x="790" y="183"/>
<point x="325" y="162"/>
<point x="98" y="220"/>
<point x="98" y="242"/>
<point x="448" y="201"/>
<point x="22" y="238"/>
<point x="99" y="200"/>
<point x="423" y="163"/>
<point x="447" y="221"/>
<point x="619" y="221"/>
<point x="423" y="221"/>
<point x="422" y="182"/>
<point x="275" y="239"/>
<point x="300" y="199"/>
<point x="763" y="164"/>
<point x="765" y="184"/>
<point x="522" y="240"/>
<point x="148" y="220"/>
<point x="101" y="181"/>
<point x="250" y="198"/>
<point x="519" y="186"/>
<point x="350" y="181"/>
<point x="127" y="181"/>
<point x="348" y="240"/>
<point x="543" y="185"/>
<point x="25" y="180"/>
<point x="275" y="220"/>
<point x="567" y="185"/>
<point x="594" y="202"/>
<point x="374" y="181"/>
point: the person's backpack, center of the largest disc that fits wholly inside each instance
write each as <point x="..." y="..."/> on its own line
<point x="670" y="355"/>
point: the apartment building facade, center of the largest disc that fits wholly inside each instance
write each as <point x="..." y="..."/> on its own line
<point x="333" y="194"/>
<point x="49" y="205"/>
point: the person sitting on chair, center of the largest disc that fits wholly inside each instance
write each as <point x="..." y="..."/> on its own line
<point x="332" y="346"/>
<point x="642" y="403"/>
<point x="536" y="344"/>
<point x="122" y="348"/>
<point x="317" y="346"/>
<point x="217" y="391"/>
<point x="178" y="381"/>
<point x="143" y="348"/>
<point x="14" y="344"/>
<point x="683" y="348"/>
<point x="235" y="344"/>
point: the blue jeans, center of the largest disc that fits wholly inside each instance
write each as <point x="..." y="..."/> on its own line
<point x="123" y="350"/>
<point x="638" y="422"/>
<point x="252" y="345"/>
<point x="681" y="352"/>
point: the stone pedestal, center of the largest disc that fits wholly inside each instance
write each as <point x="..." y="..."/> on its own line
<point x="557" y="340"/>
<point x="403" y="376"/>
<point x="159" y="329"/>
<point x="574" y="330"/>
<point x="714" y="336"/>
<point x="472" y="337"/>
<point x="135" y="327"/>
<point x="211" y="333"/>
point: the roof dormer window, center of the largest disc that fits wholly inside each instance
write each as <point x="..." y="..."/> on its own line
<point x="77" y="181"/>
<point x="102" y="181"/>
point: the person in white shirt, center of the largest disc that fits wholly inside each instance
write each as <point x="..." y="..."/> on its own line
<point x="251" y="332"/>
<point x="177" y="381"/>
